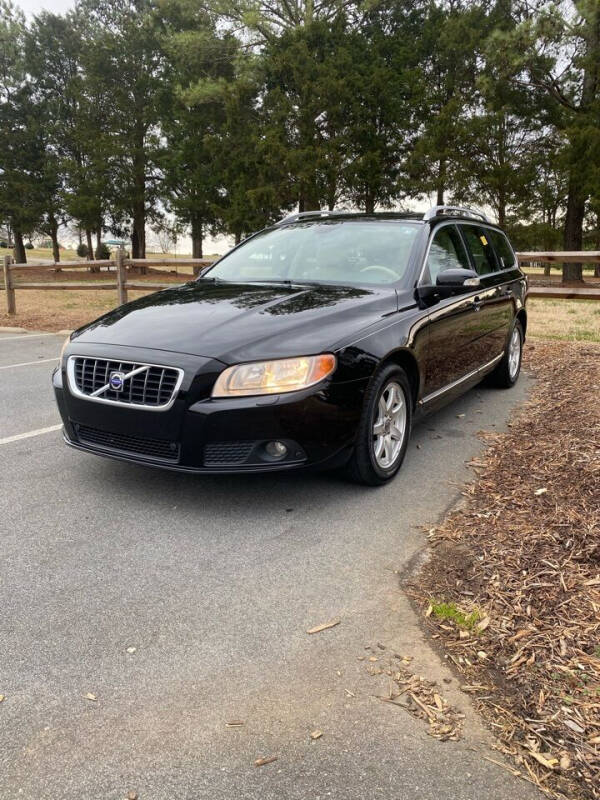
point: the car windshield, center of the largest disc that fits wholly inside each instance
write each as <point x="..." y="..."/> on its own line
<point x="332" y="251"/>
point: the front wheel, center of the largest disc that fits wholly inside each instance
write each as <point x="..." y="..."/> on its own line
<point x="384" y="428"/>
<point x="507" y="372"/>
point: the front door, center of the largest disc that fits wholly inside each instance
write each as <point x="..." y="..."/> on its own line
<point x="453" y="321"/>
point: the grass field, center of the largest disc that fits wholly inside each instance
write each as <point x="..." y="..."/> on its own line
<point x="565" y="320"/>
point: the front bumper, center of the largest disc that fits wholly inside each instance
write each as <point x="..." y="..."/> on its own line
<point x="203" y="435"/>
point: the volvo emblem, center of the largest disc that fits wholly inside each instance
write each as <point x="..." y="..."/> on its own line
<point x="116" y="381"/>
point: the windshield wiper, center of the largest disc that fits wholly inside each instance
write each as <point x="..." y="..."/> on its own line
<point x="287" y="282"/>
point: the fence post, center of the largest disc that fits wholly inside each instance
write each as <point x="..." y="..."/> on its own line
<point x="121" y="276"/>
<point x="11" y="305"/>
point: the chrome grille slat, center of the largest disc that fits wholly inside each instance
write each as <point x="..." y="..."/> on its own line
<point x="153" y="387"/>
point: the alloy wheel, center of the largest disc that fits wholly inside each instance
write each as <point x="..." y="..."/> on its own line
<point x="389" y="427"/>
<point x="514" y="353"/>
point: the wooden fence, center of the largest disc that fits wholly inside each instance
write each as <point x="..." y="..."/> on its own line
<point x="123" y="281"/>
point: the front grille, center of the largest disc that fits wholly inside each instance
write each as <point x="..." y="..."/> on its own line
<point x="125" y="443"/>
<point x="151" y="386"/>
<point x="220" y="454"/>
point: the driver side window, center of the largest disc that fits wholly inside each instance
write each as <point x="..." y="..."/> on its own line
<point x="446" y="252"/>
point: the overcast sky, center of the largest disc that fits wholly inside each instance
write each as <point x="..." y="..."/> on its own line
<point x="34" y="6"/>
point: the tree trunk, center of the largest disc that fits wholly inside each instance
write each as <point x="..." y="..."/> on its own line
<point x="576" y="201"/>
<point x="138" y="235"/>
<point x="369" y="202"/>
<point x="441" y="185"/>
<point x="197" y="237"/>
<point x="99" y="242"/>
<point x="90" y="247"/>
<point x="502" y="210"/>
<point x="238" y="237"/>
<point x="309" y="200"/>
<point x="573" y="235"/>
<point x="53" y="231"/>
<point x="19" y="249"/>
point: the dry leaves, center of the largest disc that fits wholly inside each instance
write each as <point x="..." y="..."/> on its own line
<point x="525" y="548"/>
<point x="420" y="698"/>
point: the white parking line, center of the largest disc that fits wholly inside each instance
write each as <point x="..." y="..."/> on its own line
<point x="39" y="431"/>
<point x="29" y="363"/>
<point x="27" y="336"/>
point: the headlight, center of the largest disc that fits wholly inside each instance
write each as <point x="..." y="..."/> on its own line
<point x="273" y="377"/>
<point x="62" y="350"/>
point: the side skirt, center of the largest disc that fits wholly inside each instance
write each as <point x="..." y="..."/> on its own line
<point x="459" y="385"/>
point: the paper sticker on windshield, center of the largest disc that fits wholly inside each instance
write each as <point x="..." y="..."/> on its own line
<point x="483" y="240"/>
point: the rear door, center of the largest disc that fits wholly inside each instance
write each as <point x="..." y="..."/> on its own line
<point x="505" y="287"/>
<point x="491" y="303"/>
<point x="453" y="321"/>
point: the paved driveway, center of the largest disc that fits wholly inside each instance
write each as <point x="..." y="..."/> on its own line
<point x="214" y="581"/>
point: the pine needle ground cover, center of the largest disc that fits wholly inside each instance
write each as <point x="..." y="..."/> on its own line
<point x="512" y="586"/>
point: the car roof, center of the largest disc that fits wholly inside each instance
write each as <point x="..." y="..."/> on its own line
<point x="434" y="214"/>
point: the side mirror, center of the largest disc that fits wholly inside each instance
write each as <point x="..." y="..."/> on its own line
<point x="458" y="279"/>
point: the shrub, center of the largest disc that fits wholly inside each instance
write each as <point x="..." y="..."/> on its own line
<point x="29" y="246"/>
<point x="3" y="244"/>
<point x="102" y="252"/>
<point x="82" y="250"/>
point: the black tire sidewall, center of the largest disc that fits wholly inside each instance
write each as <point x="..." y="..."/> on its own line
<point x="364" y="455"/>
<point x="510" y="380"/>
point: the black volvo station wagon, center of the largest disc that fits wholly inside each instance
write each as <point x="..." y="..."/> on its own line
<point x="314" y="343"/>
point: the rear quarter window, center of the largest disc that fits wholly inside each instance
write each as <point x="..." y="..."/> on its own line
<point x="480" y="248"/>
<point x="504" y="252"/>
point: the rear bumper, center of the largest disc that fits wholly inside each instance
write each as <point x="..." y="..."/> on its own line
<point x="218" y="436"/>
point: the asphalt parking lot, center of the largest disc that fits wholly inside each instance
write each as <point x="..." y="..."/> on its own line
<point x="182" y="603"/>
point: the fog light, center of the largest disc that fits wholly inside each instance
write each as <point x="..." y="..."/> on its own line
<point x="276" y="449"/>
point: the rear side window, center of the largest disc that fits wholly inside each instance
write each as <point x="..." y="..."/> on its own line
<point x="481" y="249"/>
<point x="446" y="252"/>
<point x="504" y="251"/>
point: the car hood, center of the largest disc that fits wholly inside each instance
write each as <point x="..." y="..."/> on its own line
<point x="241" y="322"/>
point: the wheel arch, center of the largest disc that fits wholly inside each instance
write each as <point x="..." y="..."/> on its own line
<point x="522" y="317"/>
<point x="408" y="362"/>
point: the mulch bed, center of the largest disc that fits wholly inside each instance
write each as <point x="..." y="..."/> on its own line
<point x="521" y="555"/>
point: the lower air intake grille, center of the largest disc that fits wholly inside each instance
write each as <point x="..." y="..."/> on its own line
<point x="125" y="443"/>
<point x="221" y="454"/>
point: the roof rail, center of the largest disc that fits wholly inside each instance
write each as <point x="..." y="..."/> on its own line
<point x="454" y="211"/>
<point x="298" y="215"/>
<point x="344" y="212"/>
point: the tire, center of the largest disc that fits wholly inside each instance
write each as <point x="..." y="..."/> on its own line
<point x="377" y="458"/>
<point x="507" y="372"/>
